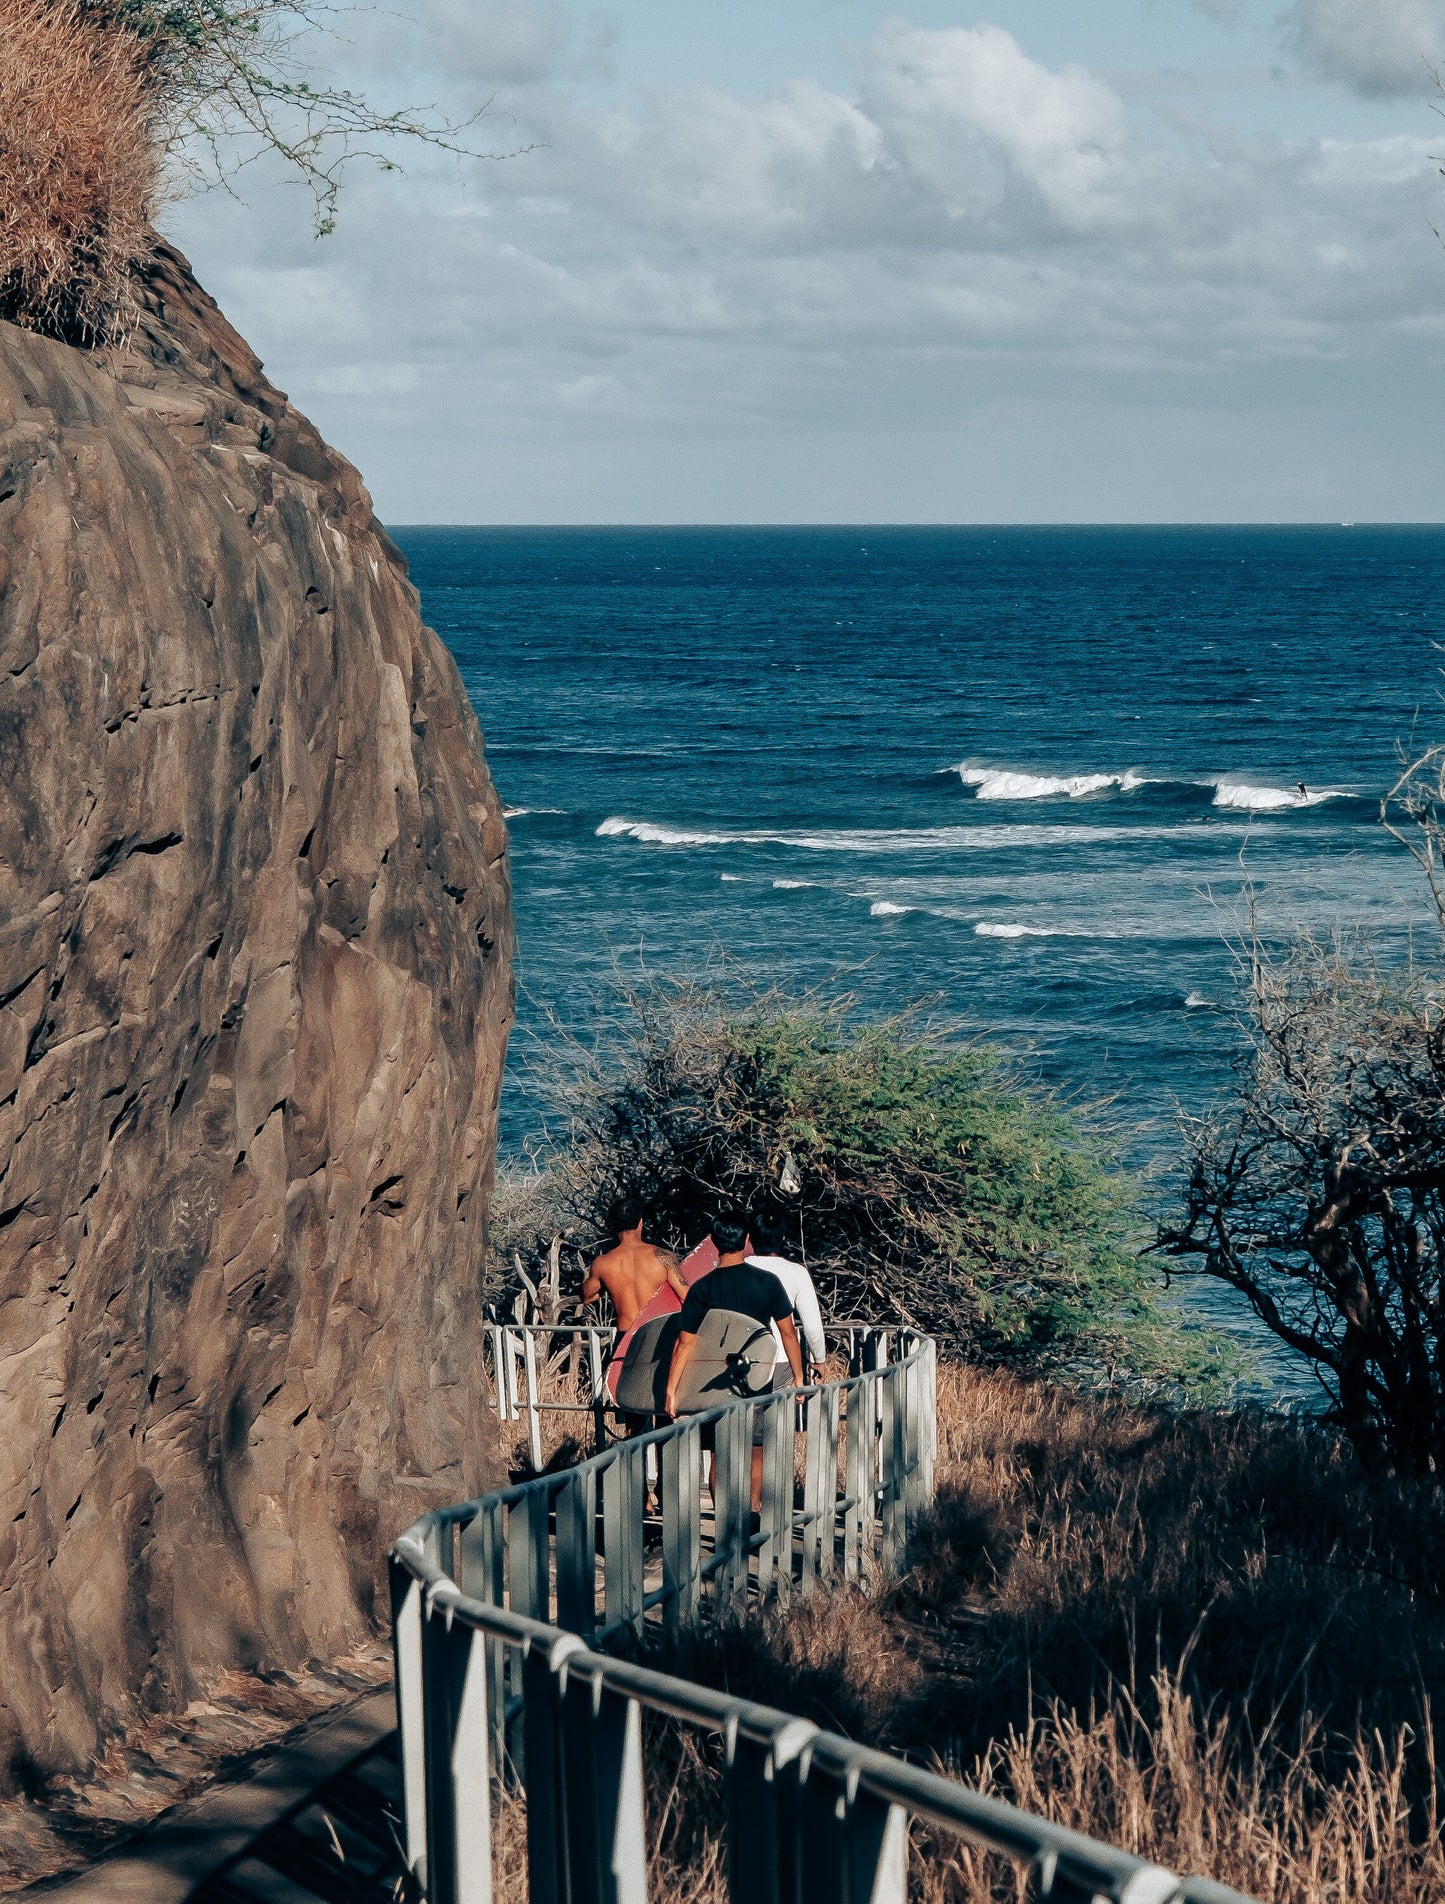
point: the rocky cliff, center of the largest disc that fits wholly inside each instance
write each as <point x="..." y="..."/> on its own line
<point x="255" y="986"/>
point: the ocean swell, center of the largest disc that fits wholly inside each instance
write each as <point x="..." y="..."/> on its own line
<point x="1243" y="796"/>
<point x="1007" y="929"/>
<point x="1230" y="792"/>
<point x="904" y="840"/>
<point x="1008" y="783"/>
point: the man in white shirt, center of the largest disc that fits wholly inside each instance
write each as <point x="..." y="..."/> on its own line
<point x="769" y="1234"/>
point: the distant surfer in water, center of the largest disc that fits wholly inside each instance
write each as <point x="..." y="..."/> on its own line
<point x="633" y="1271"/>
<point x="1304" y="792"/>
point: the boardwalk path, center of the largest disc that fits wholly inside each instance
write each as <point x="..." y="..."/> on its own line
<point x="517" y="1621"/>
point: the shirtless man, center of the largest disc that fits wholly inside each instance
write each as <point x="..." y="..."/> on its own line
<point x="634" y="1271"/>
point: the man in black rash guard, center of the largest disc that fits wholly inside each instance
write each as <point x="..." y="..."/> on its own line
<point x="737" y="1286"/>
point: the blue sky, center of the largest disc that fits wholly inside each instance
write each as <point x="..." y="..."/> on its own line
<point x="1141" y="260"/>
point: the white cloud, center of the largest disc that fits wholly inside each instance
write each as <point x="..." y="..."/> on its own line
<point x="516" y="42"/>
<point x="1375" y="46"/>
<point x="954" y="99"/>
<point x="686" y="265"/>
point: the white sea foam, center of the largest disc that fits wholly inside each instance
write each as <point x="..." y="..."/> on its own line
<point x="618" y="828"/>
<point x="1010" y="929"/>
<point x="888" y="909"/>
<point x="1196" y="1001"/>
<point x="1233" y="794"/>
<point x="1005" y="929"/>
<point x="1002" y="783"/>
<point x="920" y="840"/>
<point x="1243" y="796"/>
<point x="731" y="879"/>
<point x="520" y="813"/>
<point x="792" y="885"/>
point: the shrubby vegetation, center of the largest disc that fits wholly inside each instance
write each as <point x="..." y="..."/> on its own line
<point x="928" y="1182"/>
<point x="232" y="72"/>
<point x="1319" y="1192"/>
<point x="1209" y="1637"/>
<point x="79" y="168"/>
<point x="105" y="105"/>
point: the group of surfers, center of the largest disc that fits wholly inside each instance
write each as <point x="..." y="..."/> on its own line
<point x="740" y="1267"/>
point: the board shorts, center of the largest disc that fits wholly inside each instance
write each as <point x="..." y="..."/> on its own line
<point x="782" y="1379"/>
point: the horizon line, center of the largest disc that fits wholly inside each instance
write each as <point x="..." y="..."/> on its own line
<point x="1360" y="522"/>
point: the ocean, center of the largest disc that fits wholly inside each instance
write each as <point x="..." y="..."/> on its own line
<point x="1024" y="772"/>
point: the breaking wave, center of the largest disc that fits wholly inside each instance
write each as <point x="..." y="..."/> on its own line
<point x="1007" y="783"/>
<point x="888" y="909"/>
<point x="1243" y="796"/>
<point x="1230" y="792"/>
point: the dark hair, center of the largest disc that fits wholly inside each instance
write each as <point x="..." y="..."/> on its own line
<point x="771" y="1229"/>
<point x="626" y="1213"/>
<point x="730" y="1229"/>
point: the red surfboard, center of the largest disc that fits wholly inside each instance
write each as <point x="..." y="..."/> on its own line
<point x="664" y="1303"/>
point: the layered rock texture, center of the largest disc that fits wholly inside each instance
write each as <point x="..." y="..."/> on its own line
<point x="255" y="986"/>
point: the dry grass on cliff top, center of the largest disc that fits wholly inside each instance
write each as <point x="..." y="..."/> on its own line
<point x="78" y="170"/>
<point x="1208" y="1638"/>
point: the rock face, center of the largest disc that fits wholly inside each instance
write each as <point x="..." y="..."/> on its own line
<point x="255" y="986"/>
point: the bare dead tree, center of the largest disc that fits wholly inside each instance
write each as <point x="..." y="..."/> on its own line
<point x="1319" y="1193"/>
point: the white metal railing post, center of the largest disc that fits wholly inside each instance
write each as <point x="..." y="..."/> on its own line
<point x="458" y="1803"/>
<point x="534" y="1418"/>
<point x="632" y="1466"/>
<point x="511" y="1351"/>
<point x="617" y="1534"/>
<point x="855" y="1478"/>
<point x="598" y="1396"/>
<point x="499" y="1373"/>
<point x="775" y="1509"/>
<point x="762" y="1809"/>
<point x="406" y="1617"/>
<point x="892" y="1445"/>
<point x="732" y="1502"/>
<point x="855" y="1845"/>
<point x="471" y="1767"/>
<point x="813" y="1487"/>
<point x="681" y="1486"/>
<point x="542" y="1767"/>
<point x="601" y="1755"/>
<point x="930" y="1418"/>
<point x="827" y="1482"/>
<point x="577" y="1554"/>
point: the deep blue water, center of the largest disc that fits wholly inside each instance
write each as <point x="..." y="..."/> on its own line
<point x="751" y="739"/>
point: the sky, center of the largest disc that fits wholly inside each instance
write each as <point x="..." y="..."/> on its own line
<point x="825" y="261"/>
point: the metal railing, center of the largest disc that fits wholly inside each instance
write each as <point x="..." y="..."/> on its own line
<point x="501" y="1608"/>
<point x="526" y="1362"/>
<point x="522" y="1354"/>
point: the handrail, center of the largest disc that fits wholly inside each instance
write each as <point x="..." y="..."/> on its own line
<point x="501" y="1608"/>
<point x="517" y="1370"/>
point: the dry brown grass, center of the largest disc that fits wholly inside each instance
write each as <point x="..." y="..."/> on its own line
<point x="78" y="170"/>
<point x="1211" y="1639"/>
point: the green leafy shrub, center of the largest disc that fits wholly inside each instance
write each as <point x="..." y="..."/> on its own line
<point x="928" y="1182"/>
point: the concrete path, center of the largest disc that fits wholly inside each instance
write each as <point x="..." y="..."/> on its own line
<point x="207" y="1846"/>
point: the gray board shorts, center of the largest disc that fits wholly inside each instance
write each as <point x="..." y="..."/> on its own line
<point x="782" y="1380"/>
